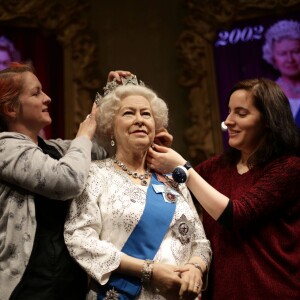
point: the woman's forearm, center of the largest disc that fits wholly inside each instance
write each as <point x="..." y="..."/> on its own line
<point x="211" y="200"/>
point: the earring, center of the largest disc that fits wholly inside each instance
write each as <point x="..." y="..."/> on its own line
<point x="112" y="142"/>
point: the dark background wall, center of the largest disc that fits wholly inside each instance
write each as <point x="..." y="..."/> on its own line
<point x="146" y="38"/>
<point x="140" y="36"/>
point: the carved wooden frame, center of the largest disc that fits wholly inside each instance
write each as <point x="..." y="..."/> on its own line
<point x="66" y="21"/>
<point x="204" y="18"/>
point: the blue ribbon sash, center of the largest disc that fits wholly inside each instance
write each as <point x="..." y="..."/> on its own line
<point x="143" y="242"/>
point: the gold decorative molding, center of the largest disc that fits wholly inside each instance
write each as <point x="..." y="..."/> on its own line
<point x="65" y="19"/>
<point x="195" y="46"/>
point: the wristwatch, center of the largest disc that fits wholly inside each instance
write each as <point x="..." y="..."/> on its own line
<point x="180" y="174"/>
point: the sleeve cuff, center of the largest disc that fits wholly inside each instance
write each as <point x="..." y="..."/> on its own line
<point x="226" y="217"/>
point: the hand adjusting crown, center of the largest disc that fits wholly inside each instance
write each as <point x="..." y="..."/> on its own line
<point x="112" y="85"/>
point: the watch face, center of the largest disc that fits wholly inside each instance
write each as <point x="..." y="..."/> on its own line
<point x="179" y="175"/>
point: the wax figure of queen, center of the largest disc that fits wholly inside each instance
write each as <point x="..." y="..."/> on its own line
<point x="282" y="50"/>
<point x="135" y="232"/>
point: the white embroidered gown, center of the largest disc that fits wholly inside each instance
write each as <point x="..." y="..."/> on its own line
<point x="102" y="218"/>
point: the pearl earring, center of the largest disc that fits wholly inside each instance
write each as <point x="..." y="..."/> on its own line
<point x="112" y="142"/>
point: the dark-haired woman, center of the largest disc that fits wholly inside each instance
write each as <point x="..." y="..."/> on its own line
<point x="250" y="196"/>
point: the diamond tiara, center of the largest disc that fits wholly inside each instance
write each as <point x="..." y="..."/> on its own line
<point x="112" y="85"/>
<point x="131" y="79"/>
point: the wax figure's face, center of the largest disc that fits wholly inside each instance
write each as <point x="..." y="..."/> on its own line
<point x="33" y="110"/>
<point x="134" y="125"/>
<point x="286" y="57"/>
<point x="4" y="59"/>
<point x="244" y="122"/>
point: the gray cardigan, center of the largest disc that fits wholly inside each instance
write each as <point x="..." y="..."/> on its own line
<point x="25" y="171"/>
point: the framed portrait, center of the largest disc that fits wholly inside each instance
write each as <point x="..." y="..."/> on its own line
<point x="221" y="44"/>
<point x="238" y="53"/>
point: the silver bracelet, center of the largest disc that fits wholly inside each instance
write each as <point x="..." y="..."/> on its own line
<point x="147" y="271"/>
<point x="196" y="265"/>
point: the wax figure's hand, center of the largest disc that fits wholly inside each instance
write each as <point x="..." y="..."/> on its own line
<point x="191" y="283"/>
<point x="163" y="138"/>
<point x="117" y="74"/>
<point x="88" y="126"/>
<point x="164" y="160"/>
<point x="166" y="280"/>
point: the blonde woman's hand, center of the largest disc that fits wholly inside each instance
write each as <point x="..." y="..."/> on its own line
<point x="88" y="126"/>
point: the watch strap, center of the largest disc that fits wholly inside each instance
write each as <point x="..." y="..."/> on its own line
<point x="187" y="165"/>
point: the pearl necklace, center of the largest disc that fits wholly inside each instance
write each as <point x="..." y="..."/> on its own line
<point x="142" y="177"/>
<point x="294" y="88"/>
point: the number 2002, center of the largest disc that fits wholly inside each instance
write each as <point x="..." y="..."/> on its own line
<point x="239" y="35"/>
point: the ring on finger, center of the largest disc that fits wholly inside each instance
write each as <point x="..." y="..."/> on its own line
<point x="88" y="116"/>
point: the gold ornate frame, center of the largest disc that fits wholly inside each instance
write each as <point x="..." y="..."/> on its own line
<point x="195" y="44"/>
<point x="66" y="21"/>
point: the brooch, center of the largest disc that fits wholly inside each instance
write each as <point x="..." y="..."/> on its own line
<point x="183" y="229"/>
<point x="111" y="295"/>
<point x="169" y="194"/>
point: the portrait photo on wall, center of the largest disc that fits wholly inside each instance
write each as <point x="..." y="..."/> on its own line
<point x="264" y="47"/>
<point x="30" y="45"/>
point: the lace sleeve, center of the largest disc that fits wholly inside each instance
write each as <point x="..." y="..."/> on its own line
<point x="82" y="234"/>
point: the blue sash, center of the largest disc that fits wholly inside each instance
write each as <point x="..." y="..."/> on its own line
<point x="143" y="242"/>
<point x="297" y="119"/>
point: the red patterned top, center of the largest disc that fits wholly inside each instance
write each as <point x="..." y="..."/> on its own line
<point x="256" y="242"/>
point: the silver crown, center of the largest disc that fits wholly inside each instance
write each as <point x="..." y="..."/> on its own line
<point x="131" y="79"/>
<point x="112" y="85"/>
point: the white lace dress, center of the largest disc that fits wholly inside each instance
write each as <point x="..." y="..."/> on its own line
<point x="102" y="218"/>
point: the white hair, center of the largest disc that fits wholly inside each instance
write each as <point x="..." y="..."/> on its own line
<point x="7" y="45"/>
<point x="110" y="104"/>
<point x="283" y="29"/>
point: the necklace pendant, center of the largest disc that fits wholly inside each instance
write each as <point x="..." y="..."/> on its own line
<point x="144" y="182"/>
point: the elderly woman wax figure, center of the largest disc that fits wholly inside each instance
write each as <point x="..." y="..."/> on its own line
<point x="8" y="52"/>
<point x="282" y="51"/>
<point x="34" y="175"/>
<point x="250" y="196"/>
<point x="135" y="232"/>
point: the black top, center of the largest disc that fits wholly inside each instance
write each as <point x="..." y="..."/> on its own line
<point x="51" y="273"/>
